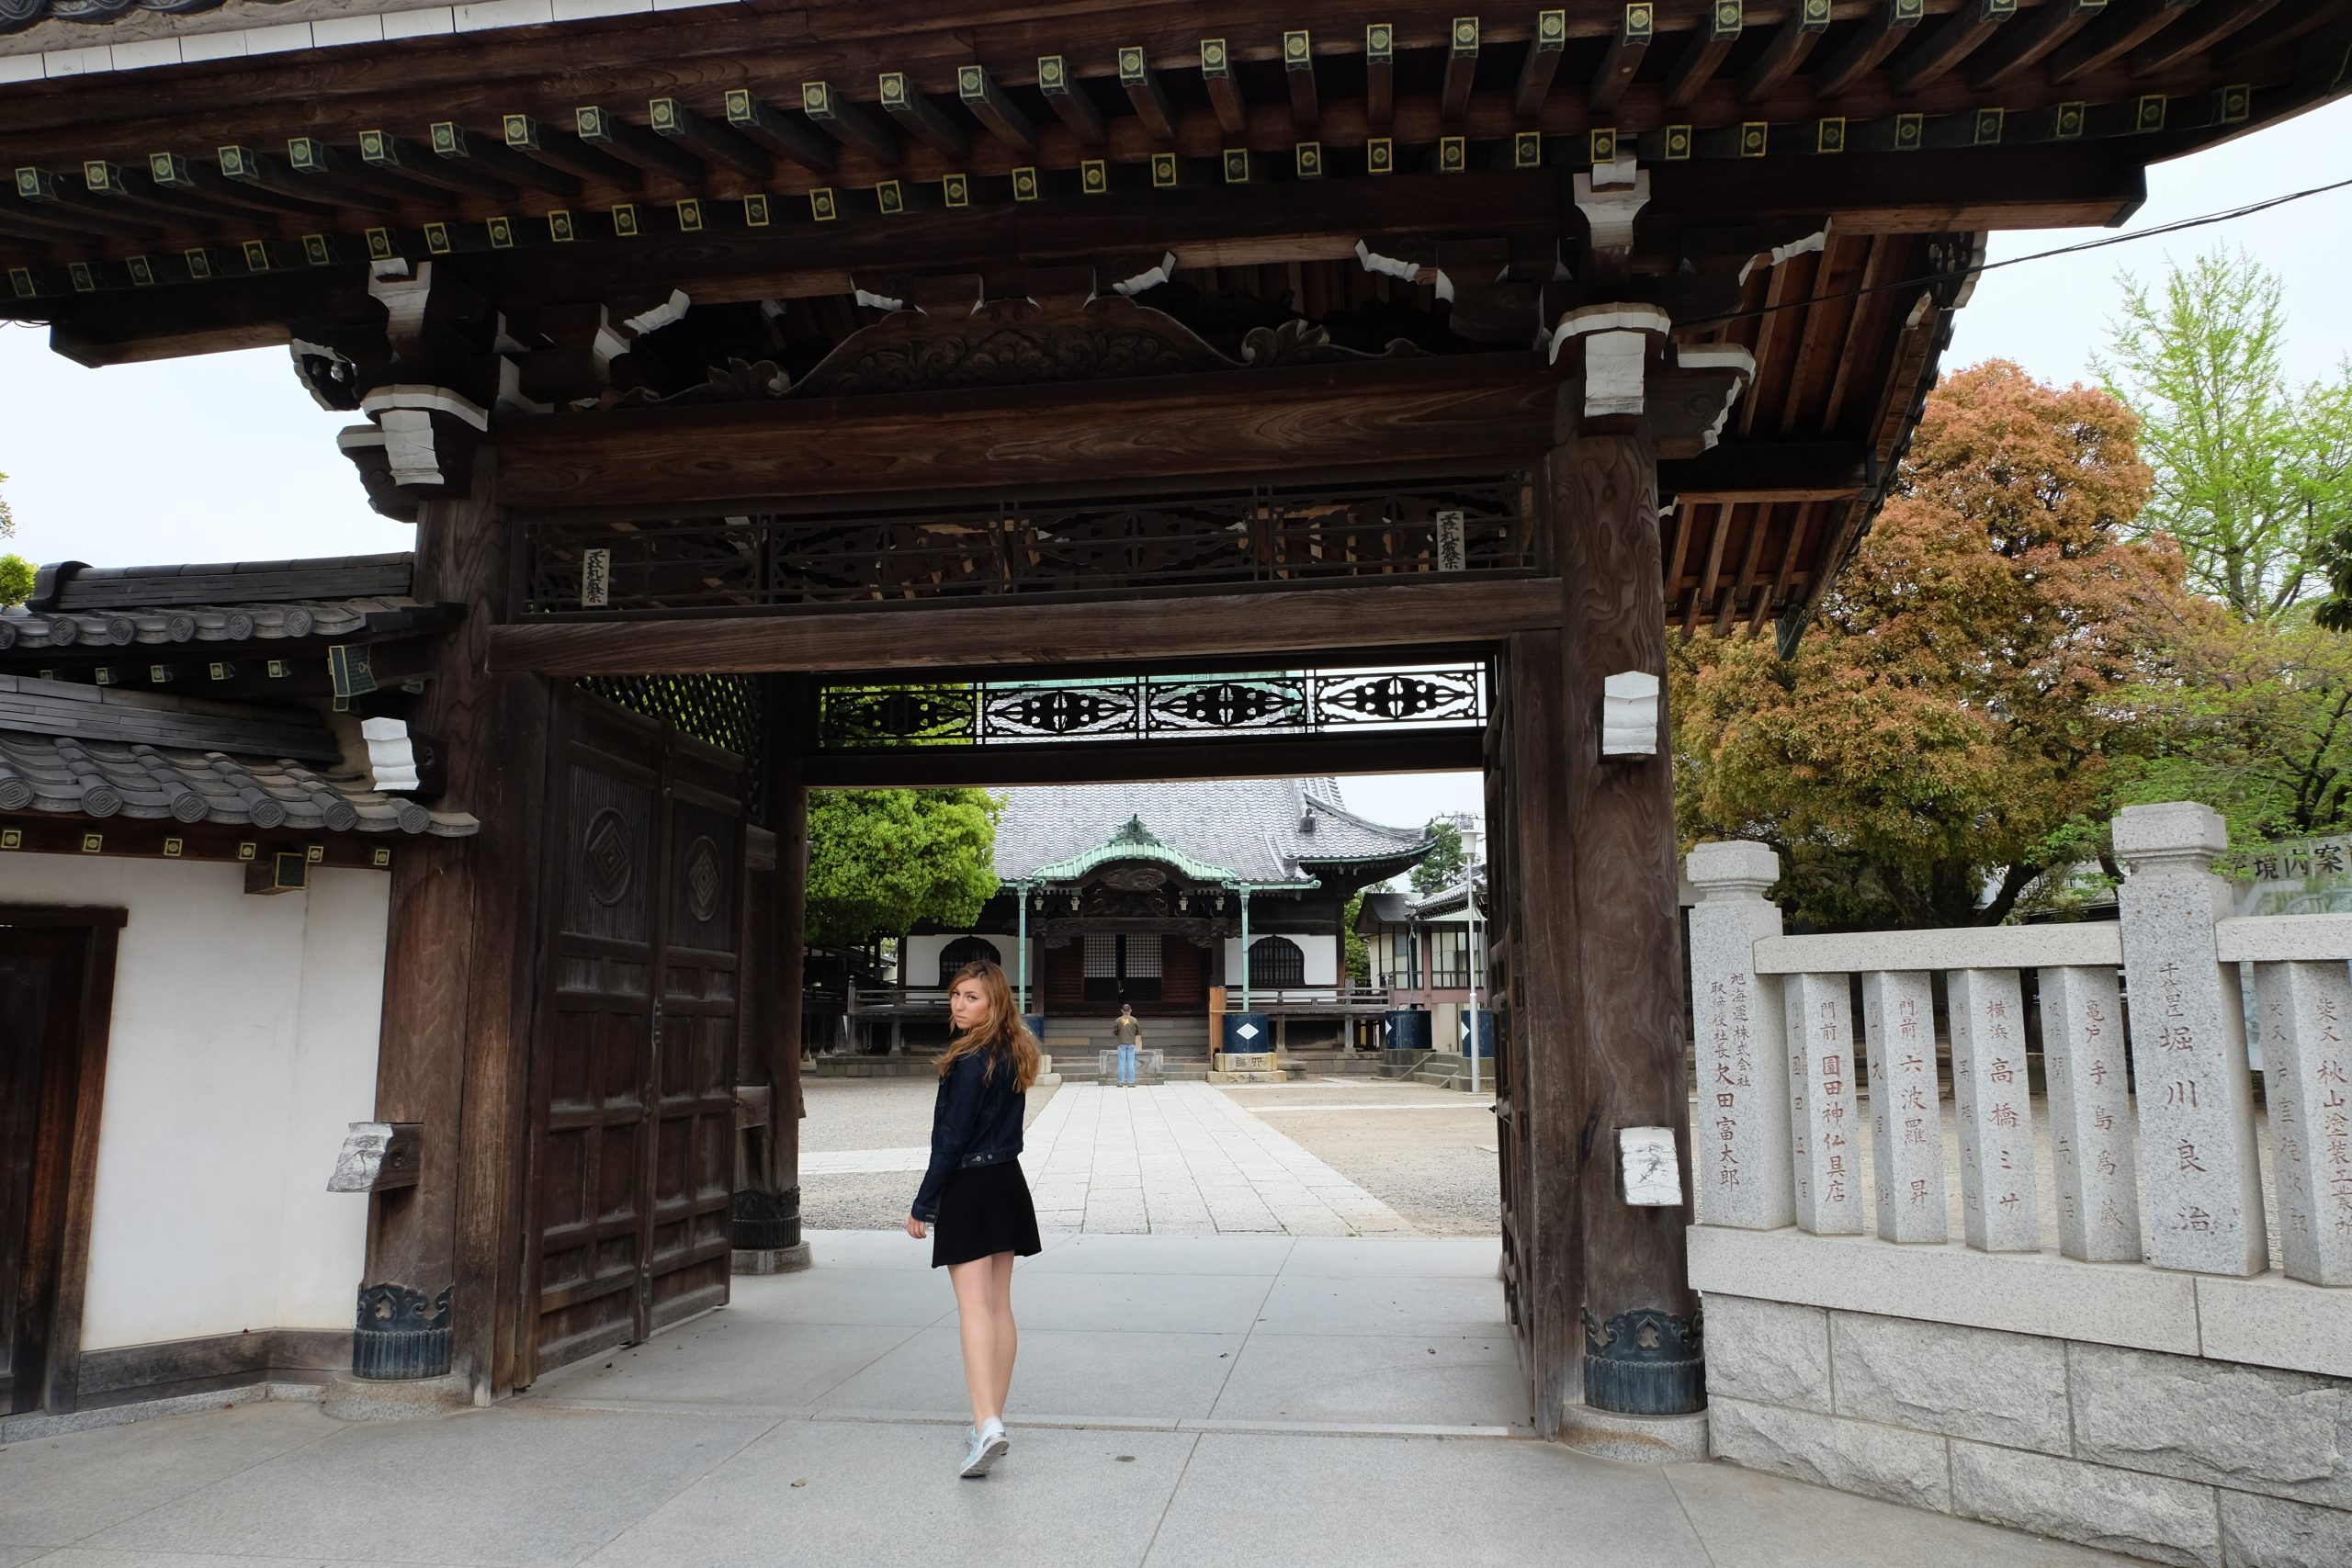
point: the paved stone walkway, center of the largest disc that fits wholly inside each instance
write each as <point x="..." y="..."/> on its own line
<point x="1164" y="1159"/>
<point x="1181" y="1401"/>
<point x="1183" y="1159"/>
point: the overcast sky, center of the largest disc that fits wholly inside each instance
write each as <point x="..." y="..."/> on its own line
<point x="224" y="457"/>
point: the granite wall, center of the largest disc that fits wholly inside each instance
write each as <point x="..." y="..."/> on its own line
<point x="2187" y="1459"/>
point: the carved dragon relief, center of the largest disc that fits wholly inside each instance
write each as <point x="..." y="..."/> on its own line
<point x="1016" y="343"/>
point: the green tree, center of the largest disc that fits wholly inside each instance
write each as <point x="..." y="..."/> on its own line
<point x="1945" y="733"/>
<point x="16" y="580"/>
<point x="2256" y="721"/>
<point x="1444" y="867"/>
<point x="883" y="860"/>
<point x="1357" y="946"/>
<point x="2253" y="476"/>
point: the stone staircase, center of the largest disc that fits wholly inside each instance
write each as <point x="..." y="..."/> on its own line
<point x="1184" y="1043"/>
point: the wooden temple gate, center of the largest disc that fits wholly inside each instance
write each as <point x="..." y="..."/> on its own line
<point x="783" y="346"/>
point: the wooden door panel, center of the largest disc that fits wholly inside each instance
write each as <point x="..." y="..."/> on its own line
<point x="634" y="1058"/>
<point x="40" y="985"/>
<point x="593" y="1046"/>
<point x="691" y="1251"/>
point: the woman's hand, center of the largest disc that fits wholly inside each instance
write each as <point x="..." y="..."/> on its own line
<point x="914" y="1229"/>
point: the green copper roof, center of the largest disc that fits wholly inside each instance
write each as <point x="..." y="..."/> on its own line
<point x="1136" y="842"/>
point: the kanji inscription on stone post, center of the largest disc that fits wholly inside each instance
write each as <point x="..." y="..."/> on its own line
<point x="1824" y="1102"/>
<point x="2195" y="1098"/>
<point x="1740" y="1161"/>
<point x="2090" y="1115"/>
<point x="1907" y="1123"/>
<point x="2303" y="1010"/>
<point x="1998" y="1210"/>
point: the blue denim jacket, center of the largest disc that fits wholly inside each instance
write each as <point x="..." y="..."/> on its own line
<point x="972" y="1123"/>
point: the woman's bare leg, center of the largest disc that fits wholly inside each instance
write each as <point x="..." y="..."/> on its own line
<point x="976" y="1321"/>
<point x="1008" y="1338"/>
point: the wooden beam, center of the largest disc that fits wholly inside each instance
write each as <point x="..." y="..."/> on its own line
<point x="851" y="124"/>
<point x="1379" y="74"/>
<point x="313" y="158"/>
<point x="1542" y="65"/>
<point x="1470" y="409"/>
<point x="1704" y="52"/>
<point x="247" y="167"/>
<point x="1298" y="75"/>
<point x="381" y="149"/>
<point x="1872" y="42"/>
<point x="708" y="140"/>
<point x="1068" y="100"/>
<point x="68" y="204"/>
<point x="787" y="138"/>
<point x="1951" y="44"/>
<point x="458" y="148"/>
<point x="1780" y="470"/>
<point x="2209" y="25"/>
<point x="1139" y="761"/>
<point x="1224" y="90"/>
<point x="2122" y="29"/>
<point x="929" y="124"/>
<point x="986" y="103"/>
<point x="1621" y="62"/>
<point x="1393" y="614"/>
<point x="1807" y="20"/>
<point x="1760" y="514"/>
<point x="1148" y="98"/>
<point x="174" y="173"/>
<point x="136" y="193"/>
<point x="1461" y="70"/>
<point x="605" y="131"/>
<point x="2023" y="45"/>
<point x="558" y="149"/>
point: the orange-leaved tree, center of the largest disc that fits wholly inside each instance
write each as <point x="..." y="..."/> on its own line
<point x="1944" y="733"/>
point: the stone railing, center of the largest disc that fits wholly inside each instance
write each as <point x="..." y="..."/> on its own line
<point x="2099" y="1340"/>
<point x="1783" y="1112"/>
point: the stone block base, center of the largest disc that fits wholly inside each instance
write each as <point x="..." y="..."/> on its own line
<point x="2191" y="1460"/>
<point x="364" y="1399"/>
<point x="1636" y="1440"/>
<point x="771" y="1260"/>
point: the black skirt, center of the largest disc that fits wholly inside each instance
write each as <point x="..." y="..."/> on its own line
<point x="984" y="1210"/>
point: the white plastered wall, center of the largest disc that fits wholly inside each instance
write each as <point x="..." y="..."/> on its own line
<point x="1321" y="952"/>
<point x="242" y="1041"/>
<point x="920" y="967"/>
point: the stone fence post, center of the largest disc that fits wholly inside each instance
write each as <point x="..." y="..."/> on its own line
<point x="1741" y="1162"/>
<point x="2187" y="1029"/>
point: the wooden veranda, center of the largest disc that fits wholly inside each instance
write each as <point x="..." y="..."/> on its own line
<point x="721" y="355"/>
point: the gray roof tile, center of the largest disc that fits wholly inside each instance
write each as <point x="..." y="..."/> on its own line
<point x="1254" y="828"/>
<point x="100" y="779"/>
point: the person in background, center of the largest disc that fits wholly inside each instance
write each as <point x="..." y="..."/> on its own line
<point x="1128" y="1032"/>
<point x="974" y="1191"/>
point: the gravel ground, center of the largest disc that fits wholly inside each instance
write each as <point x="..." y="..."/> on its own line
<point x="871" y="1113"/>
<point x="1436" y="1168"/>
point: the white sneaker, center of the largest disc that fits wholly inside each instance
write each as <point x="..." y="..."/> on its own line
<point x="988" y="1447"/>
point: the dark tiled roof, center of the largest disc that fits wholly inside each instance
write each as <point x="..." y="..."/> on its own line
<point x="71" y="585"/>
<point x="23" y="629"/>
<point x="1258" y="830"/>
<point x="102" y="778"/>
<point x="96" y="751"/>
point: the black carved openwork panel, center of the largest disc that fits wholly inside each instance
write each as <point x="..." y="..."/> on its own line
<point x="865" y="716"/>
<point x="1248" y="535"/>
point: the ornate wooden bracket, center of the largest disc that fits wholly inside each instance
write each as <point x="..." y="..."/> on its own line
<point x="1629" y="371"/>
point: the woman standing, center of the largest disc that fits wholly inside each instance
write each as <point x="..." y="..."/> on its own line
<point x="974" y="1191"/>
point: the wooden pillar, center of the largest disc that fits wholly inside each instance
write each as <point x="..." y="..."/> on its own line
<point x="1546" y="1029"/>
<point x="1640" y="1324"/>
<point x="443" y="1258"/>
<point x="767" y="1205"/>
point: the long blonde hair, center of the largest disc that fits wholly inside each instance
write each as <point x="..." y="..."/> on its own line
<point x="1001" y="1033"/>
